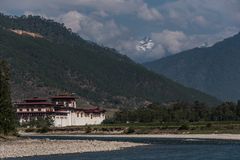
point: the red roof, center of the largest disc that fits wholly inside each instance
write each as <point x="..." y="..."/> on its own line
<point x="92" y="110"/>
<point x="53" y="112"/>
<point x="34" y="104"/>
<point x="36" y="99"/>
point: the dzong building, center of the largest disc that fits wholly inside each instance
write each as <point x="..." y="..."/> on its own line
<point x="62" y="109"/>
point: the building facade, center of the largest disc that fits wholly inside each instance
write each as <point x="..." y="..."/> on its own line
<point x="61" y="109"/>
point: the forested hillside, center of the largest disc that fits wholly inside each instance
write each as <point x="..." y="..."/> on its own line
<point x="214" y="70"/>
<point x="61" y="61"/>
<point x="7" y="113"/>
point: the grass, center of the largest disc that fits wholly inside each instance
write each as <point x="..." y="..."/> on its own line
<point x="227" y="127"/>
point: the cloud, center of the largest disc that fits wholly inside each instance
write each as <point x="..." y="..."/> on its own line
<point x="120" y="7"/>
<point x="200" y="20"/>
<point x="172" y="41"/>
<point x="102" y="7"/>
<point x="149" y="14"/>
<point x="174" y="25"/>
<point x="202" y="13"/>
<point x="90" y="28"/>
<point x="72" y="20"/>
<point x="198" y="39"/>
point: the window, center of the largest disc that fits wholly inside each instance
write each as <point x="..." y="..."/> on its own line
<point x="81" y="114"/>
<point x="27" y="109"/>
<point x="77" y="114"/>
<point x="32" y="109"/>
<point x="91" y="116"/>
<point x="20" y="109"/>
<point x="39" y="109"/>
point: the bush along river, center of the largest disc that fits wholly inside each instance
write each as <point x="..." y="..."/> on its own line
<point x="159" y="148"/>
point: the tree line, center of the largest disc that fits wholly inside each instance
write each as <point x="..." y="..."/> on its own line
<point x="7" y="112"/>
<point x="178" y="112"/>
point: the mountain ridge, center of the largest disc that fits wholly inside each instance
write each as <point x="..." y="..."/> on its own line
<point x="213" y="70"/>
<point x="63" y="61"/>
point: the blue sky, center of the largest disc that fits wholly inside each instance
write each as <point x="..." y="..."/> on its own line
<point x="173" y="25"/>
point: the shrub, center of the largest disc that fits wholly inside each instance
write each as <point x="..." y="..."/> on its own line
<point x="30" y="130"/>
<point x="184" y="127"/>
<point x="43" y="130"/>
<point x="39" y="122"/>
<point x="88" y="130"/>
<point x="208" y="125"/>
<point x="108" y="121"/>
<point x="129" y="130"/>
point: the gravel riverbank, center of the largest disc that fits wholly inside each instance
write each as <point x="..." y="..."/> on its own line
<point x="22" y="148"/>
<point x="177" y="136"/>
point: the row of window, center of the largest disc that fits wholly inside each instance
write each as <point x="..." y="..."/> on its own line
<point x="81" y="115"/>
<point x="87" y="115"/>
<point x="32" y="109"/>
<point x="61" y="117"/>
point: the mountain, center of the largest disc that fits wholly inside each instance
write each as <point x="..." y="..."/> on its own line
<point x="47" y="58"/>
<point x="145" y="44"/>
<point x="214" y="70"/>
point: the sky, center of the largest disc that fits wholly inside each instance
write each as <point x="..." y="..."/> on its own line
<point x="172" y="25"/>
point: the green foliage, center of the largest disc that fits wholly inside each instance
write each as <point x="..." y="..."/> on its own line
<point x="63" y="61"/>
<point x="88" y="130"/>
<point x="129" y="130"/>
<point x="7" y="113"/>
<point x="39" y="122"/>
<point x="209" y="125"/>
<point x="29" y="130"/>
<point x="179" y="113"/>
<point x="184" y="127"/>
<point x="108" y="121"/>
<point x="213" y="70"/>
<point x="44" y="129"/>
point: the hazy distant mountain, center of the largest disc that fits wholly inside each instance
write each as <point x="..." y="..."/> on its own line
<point x="47" y="58"/>
<point x="214" y="70"/>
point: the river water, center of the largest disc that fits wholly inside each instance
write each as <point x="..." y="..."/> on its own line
<point x="159" y="149"/>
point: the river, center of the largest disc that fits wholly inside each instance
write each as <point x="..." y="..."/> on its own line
<point x="159" y="149"/>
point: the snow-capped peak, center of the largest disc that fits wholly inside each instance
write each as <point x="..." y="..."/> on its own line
<point x="144" y="44"/>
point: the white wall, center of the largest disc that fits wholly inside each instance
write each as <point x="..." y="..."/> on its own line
<point x="78" y="119"/>
<point x="74" y="119"/>
<point x="61" y="121"/>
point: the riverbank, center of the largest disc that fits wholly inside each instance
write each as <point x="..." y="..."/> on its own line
<point x="29" y="147"/>
<point x="218" y="127"/>
<point x="176" y="136"/>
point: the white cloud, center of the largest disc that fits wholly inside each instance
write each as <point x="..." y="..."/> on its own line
<point x="149" y="14"/>
<point x="172" y="41"/>
<point x="174" y="25"/>
<point x="200" y="20"/>
<point x="102" y="7"/>
<point x="203" y="13"/>
<point x="117" y="7"/>
<point x="198" y="39"/>
<point x="72" y="20"/>
<point x="90" y="28"/>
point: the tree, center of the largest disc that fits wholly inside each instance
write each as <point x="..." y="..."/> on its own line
<point x="7" y="113"/>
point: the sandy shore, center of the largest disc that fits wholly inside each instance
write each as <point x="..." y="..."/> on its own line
<point x="21" y="148"/>
<point x="187" y="136"/>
